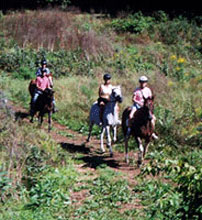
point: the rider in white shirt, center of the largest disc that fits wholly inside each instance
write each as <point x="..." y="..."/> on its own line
<point x="105" y="91"/>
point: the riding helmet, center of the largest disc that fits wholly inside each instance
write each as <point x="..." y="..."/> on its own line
<point x="107" y="76"/>
<point x="43" y="62"/>
<point x="143" y="79"/>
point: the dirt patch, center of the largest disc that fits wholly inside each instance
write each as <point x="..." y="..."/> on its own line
<point x="89" y="157"/>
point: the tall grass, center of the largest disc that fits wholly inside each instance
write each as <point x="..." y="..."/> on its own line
<point x="54" y="30"/>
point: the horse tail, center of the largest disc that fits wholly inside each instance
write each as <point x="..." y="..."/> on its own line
<point x="125" y="117"/>
<point x="32" y="86"/>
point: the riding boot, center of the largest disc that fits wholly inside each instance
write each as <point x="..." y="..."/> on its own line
<point x="150" y="116"/>
<point x="54" y="107"/>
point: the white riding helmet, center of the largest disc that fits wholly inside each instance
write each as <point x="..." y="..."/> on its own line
<point x="143" y="79"/>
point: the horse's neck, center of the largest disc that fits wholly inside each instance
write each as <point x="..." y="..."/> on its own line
<point x="141" y="114"/>
<point x="111" y="107"/>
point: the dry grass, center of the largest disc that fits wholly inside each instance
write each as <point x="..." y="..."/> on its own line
<point x="54" y="29"/>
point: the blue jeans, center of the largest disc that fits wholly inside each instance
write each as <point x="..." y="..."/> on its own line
<point x="37" y="93"/>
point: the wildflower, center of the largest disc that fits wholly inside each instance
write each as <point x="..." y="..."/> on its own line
<point x="173" y="57"/>
<point x="177" y="68"/>
<point x="198" y="111"/>
<point x="170" y="83"/>
<point x="181" y="60"/>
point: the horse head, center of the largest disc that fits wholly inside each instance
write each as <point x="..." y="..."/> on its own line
<point x="48" y="94"/>
<point x="149" y="104"/>
<point x="116" y="94"/>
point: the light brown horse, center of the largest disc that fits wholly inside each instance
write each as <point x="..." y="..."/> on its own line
<point x="142" y="128"/>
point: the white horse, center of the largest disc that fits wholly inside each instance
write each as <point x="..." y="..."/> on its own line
<point x="110" y="118"/>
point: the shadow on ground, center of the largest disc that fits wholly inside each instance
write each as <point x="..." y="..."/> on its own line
<point x="94" y="161"/>
<point x="91" y="160"/>
<point x="72" y="148"/>
<point x="21" y="115"/>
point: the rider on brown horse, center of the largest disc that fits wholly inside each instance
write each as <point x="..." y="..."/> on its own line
<point x="44" y="68"/>
<point x="140" y="94"/>
<point x="42" y="82"/>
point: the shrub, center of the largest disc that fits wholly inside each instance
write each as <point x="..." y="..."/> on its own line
<point x="135" y="23"/>
<point x="182" y="200"/>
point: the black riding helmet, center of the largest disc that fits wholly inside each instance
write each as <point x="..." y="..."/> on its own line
<point x="43" y="62"/>
<point x="107" y="76"/>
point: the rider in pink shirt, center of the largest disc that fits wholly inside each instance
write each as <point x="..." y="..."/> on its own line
<point x="42" y="82"/>
<point x="138" y="101"/>
<point x="139" y="94"/>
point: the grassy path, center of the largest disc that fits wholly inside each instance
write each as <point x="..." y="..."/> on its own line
<point x="88" y="160"/>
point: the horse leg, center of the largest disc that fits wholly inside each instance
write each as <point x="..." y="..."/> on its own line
<point x="114" y="133"/>
<point x="40" y="119"/>
<point x="109" y="140"/>
<point x="101" y="140"/>
<point x="49" y="121"/>
<point x="90" y="130"/>
<point x="126" y="149"/>
<point x="146" y="148"/>
<point x="32" y="117"/>
<point x="141" y="151"/>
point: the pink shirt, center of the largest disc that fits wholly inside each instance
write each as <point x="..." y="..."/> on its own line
<point x="140" y="93"/>
<point x="42" y="83"/>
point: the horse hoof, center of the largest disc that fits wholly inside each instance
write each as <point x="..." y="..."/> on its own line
<point x="31" y="120"/>
<point x="139" y="164"/>
<point x="102" y="151"/>
<point x="111" y="154"/>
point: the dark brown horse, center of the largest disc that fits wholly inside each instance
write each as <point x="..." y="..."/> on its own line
<point x="44" y="104"/>
<point x="142" y="128"/>
<point x="32" y="87"/>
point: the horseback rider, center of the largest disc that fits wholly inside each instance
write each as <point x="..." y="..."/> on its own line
<point x="143" y="91"/>
<point x="42" y="82"/>
<point x="105" y="91"/>
<point x="48" y="74"/>
<point x="43" y="67"/>
<point x="139" y="94"/>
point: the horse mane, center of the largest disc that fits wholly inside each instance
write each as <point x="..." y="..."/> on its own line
<point x="140" y="116"/>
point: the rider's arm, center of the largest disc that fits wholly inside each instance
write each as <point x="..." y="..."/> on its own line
<point x="50" y="80"/>
<point x="38" y="72"/>
<point x="100" y="91"/>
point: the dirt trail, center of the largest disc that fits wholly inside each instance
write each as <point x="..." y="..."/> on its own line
<point x="90" y="157"/>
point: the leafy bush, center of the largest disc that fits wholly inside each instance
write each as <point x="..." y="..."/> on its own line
<point x="135" y="23"/>
<point x="53" y="189"/>
<point x="182" y="199"/>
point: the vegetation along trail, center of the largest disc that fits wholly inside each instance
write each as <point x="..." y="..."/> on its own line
<point x="60" y="176"/>
<point x="87" y="156"/>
